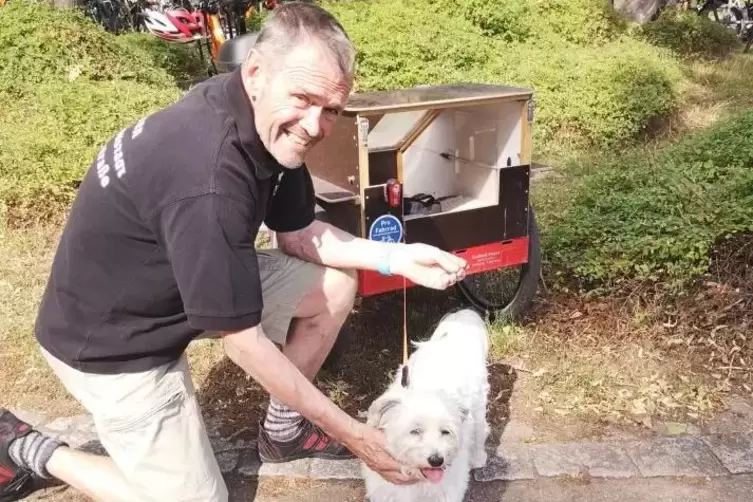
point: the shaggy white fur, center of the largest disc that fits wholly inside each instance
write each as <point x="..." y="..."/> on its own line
<point x="437" y="424"/>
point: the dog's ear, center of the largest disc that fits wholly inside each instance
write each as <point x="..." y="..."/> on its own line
<point x="380" y="408"/>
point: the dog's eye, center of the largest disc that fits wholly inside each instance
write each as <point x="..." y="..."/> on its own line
<point x="445" y="432"/>
<point x="416" y="432"/>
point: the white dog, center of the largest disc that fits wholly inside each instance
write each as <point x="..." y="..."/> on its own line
<point x="434" y="414"/>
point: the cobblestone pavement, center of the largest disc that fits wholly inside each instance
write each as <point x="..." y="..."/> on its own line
<point x="690" y="466"/>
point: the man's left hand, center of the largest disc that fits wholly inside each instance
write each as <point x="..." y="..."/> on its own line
<point x="427" y="265"/>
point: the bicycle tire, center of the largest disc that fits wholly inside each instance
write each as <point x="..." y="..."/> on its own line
<point x="525" y="290"/>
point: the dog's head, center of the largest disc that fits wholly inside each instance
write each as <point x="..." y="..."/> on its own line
<point x="422" y="429"/>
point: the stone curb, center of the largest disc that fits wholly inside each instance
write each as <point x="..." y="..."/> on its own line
<point x="680" y="456"/>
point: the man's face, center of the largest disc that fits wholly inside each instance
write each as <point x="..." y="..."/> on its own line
<point x="296" y="105"/>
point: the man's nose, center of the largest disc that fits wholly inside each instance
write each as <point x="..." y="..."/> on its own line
<point x="312" y="121"/>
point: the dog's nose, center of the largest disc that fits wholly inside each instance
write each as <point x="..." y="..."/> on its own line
<point x="436" y="460"/>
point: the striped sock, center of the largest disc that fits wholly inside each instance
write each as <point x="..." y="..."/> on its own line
<point x="33" y="451"/>
<point x="282" y="423"/>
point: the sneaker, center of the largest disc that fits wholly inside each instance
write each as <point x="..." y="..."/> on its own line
<point x="15" y="482"/>
<point x="312" y="442"/>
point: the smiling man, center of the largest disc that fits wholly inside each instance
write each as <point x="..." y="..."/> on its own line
<point x="159" y="250"/>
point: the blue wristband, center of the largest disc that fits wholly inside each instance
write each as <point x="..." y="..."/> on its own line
<point x="384" y="266"/>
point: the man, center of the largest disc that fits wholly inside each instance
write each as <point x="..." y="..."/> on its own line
<point x="159" y="248"/>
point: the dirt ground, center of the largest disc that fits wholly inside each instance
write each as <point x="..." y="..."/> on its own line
<point x="577" y="366"/>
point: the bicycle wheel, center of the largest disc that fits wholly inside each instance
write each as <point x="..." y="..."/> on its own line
<point x="509" y="292"/>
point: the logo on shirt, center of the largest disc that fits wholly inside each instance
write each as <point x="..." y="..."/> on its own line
<point x="118" y="161"/>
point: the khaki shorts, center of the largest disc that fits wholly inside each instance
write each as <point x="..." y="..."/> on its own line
<point x="150" y="422"/>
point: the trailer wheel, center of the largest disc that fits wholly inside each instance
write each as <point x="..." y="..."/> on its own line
<point x="509" y="292"/>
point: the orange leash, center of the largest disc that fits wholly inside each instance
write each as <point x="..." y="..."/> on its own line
<point x="405" y="322"/>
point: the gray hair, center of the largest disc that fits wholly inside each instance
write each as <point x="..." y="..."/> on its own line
<point x="296" y="23"/>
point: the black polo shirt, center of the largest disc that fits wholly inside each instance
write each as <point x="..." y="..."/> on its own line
<point x="159" y="243"/>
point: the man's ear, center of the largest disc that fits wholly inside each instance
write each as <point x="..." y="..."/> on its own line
<point x="253" y="74"/>
<point x="380" y="409"/>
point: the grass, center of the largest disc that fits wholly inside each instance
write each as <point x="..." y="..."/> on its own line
<point x="713" y="90"/>
<point x="579" y="358"/>
<point x="26" y="380"/>
<point x="581" y="361"/>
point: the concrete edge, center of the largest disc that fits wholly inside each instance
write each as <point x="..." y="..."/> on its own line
<point x="685" y="456"/>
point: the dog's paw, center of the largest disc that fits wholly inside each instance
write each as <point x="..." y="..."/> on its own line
<point x="479" y="459"/>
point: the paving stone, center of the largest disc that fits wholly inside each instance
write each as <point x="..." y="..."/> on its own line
<point x="681" y="456"/>
<point x="295" y="469"/>
<point x="737" y="419"/>
<point x="33" y="419"/>
<point x="227" y="461"/>
<point x="335" y="469"/>
<point x="78" y="439"/>
<point x="734" y="451"/>
<point x="573" y="459"/>
<point x="510" y="463"/>
<point x="249" y="463"/>
<point x="516" y="432"/>
<point x="82" y="423"/>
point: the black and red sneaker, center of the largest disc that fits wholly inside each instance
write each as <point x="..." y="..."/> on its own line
<point x="312" y="442"/>
<point x="15" y="482"/>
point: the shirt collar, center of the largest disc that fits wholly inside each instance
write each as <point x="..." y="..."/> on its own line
<point x="265" y="164"/>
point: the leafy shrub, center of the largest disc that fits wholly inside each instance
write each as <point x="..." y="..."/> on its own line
<point x="50" y="135"/>
<point x="601" y="95"/>
<point x="66" y="86"/>
<point x="402" y="44"/>
<point x="596" y="96"/>
<point x="40" y="43"/>
<point x="689" y="34"/>
<point x="582" y="22"/>
<point x="508" y="21"/>
<point x="656" y="216"/>
<point x="180" y="61"/>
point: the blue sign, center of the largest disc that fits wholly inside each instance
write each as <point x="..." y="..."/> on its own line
<point x="386" y="228"/>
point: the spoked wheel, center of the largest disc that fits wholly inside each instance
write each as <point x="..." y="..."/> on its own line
<point x="508" y="292"/>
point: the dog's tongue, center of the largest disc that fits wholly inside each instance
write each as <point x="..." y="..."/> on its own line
<point x="433" y="474"/>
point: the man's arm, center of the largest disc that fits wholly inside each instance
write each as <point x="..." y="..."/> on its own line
<point x="261" y="359"/>
<point x="328" y="245"/>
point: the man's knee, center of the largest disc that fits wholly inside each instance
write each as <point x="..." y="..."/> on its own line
<point x="340" y="288"/>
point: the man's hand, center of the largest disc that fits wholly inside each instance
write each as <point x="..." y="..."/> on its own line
<point x="427" y="265"/>
<point x="370" y="448"/>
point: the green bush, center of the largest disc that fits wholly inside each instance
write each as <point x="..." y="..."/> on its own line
<point x="51" y="135"/>
<point x="402" y="44"/>
<point x="582" y="22"/>
<point x="508" y="21"/>
<point x="654" y="217"/>
<point x="689" y="34"/>
<point x="595" y="94"/>
<point x="40" y="43"/>
<point x="66" y="86"/>
<point x="180" y="61"/>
